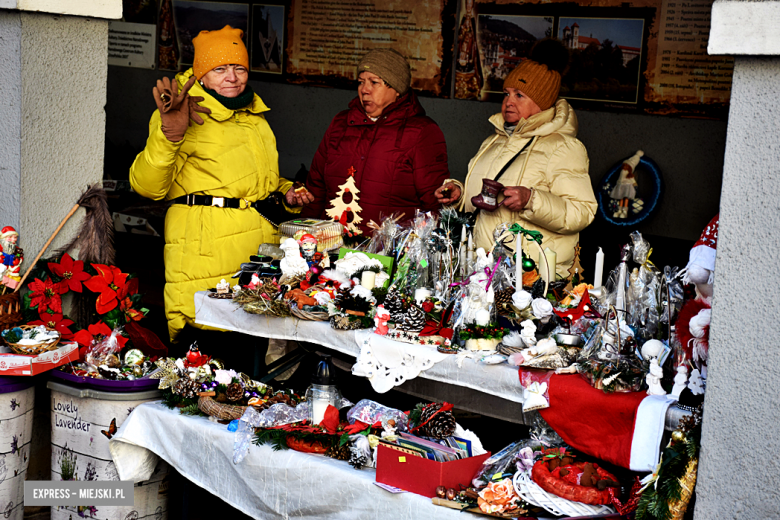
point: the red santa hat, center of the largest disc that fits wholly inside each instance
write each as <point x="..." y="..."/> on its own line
<point x="702" y="256"/>
<point x="8" y="231"/>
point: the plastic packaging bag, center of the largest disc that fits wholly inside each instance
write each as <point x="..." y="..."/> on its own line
<point x="370" y="412"/>
<point x="105" y="351"/>
<point x="608" y="361"/>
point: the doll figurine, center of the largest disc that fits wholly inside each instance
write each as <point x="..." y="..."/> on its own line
<point x="625" y="189"/>
<point x="12" y="257"/>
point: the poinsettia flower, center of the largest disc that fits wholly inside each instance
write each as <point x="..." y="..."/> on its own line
<point x="108" y="282"/>
<point x="45" y="295"/>
<point x="94" y="331"/>
<point x="130" y="314"/>
<point x="71" y="271"/>
<point x="56" y="322"/>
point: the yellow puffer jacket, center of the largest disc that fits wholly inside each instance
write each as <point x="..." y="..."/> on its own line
<point x="555" y="165"/>
<point x="233" y="154"/>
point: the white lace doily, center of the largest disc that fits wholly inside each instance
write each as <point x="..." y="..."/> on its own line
<point x="387" y="363"/>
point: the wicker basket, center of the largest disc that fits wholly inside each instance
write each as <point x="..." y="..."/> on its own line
<point x="345" y="323"/>
<point x="307" y="315"/>
<point x="35" y="349"/>
<point x="508" y="351"/>
<point x="10" y="315"/>
<point x="223" y="412"/>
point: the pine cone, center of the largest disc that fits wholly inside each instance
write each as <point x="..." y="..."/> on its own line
<point x="357" y="459"/>
<point x="414" y="319"/>
<point x="504" y="301"/>
<point x="234" y="391"/>
<point x="339" y="452"/>
<point x="186" y="387"/>
<point x="394" y="305"/>
<point x="438" y="426"/>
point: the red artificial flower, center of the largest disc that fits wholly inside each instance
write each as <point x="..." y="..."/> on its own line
<point x="131" y="314"/>
<point x="109" y="282"/>
<point x="56" y="322"/>
<point x="45" y="296"/>
<point x="427" y="306"/>
<point x="86" y="337"/>
<point x="72" y="273"/>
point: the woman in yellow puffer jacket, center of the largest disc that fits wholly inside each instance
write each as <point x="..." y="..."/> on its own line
<point x="213" y="171"/>
<point x="542" y="164"/>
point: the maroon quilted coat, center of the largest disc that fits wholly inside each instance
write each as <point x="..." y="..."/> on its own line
<point x="399" y="161"/>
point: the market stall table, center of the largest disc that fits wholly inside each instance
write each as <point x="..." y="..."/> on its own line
<point x="267" y="482"/>
<point x="492" y="390"/>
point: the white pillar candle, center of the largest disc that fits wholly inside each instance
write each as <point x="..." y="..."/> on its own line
<point x="462" y="252"/>
<point x="551" y="259"/>
<point x="598" y="272"/>
<point x="368" y="279"/>
<point x="519" y="262"/>
<point x="318" y="410"/>
<point x="471" y="253"/>
<point x="420" y="294"/>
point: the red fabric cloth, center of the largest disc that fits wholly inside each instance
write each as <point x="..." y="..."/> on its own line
<point x="399" y="161"/>
<point x="589" y="420"/>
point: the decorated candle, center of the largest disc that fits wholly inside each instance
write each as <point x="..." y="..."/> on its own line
<point x="471" y="252"/>
<point x="368" y="279"/>
<point x="420" y="294"/>
<point x="519" y="262"/>
<point x="599" y="270"/>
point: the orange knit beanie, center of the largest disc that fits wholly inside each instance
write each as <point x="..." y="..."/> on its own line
<point x="215" y="48"/>
<point x="539" y="76"/>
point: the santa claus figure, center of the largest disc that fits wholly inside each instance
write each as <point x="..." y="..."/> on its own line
<point x="12" y="257"/>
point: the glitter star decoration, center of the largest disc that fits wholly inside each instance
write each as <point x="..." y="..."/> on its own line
<point x="166" y="373"/>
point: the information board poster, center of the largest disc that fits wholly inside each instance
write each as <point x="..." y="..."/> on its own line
<point x="327" y="38"/>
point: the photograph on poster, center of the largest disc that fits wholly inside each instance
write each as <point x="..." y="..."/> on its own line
<point x="505" y="40"/>
<point x="606" y="56"/>
<point x="192" y="17"/>
<point x="267" y="38"/>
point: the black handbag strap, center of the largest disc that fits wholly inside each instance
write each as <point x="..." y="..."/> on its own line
<point x="507" y="165"/>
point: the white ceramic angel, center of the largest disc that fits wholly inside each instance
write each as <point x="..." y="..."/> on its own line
<point x="680" y="381"/>
<point x="653" y="379"/>
<point x="479" y="292"/>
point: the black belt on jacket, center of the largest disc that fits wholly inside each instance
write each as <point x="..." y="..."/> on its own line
<point x="209" y="200"/>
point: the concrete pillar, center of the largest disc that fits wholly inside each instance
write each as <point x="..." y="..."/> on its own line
<point x="53" y="69"/>
<point x="741" y="439"/>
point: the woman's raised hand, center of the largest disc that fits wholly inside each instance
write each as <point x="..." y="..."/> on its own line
<point x="300" y="198"/>
<point x="177" y="108"/>
<point x="447" y="194"/>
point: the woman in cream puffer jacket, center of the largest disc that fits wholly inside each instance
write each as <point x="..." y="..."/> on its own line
<point x="547" y="186"/>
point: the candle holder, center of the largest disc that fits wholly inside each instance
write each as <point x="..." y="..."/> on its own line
<point x="488" y="199"/>
<point x="323" y="390"/>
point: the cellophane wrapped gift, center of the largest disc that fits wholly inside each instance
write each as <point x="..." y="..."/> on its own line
<point x="608" y="361"/>
<point x="370" y="412"/>
<point x="327" y="232"/>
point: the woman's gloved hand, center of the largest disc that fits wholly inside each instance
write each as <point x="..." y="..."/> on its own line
<point x="447" y="194"/>
<point x="177" y="108"/>
<point x="516" y="197"/>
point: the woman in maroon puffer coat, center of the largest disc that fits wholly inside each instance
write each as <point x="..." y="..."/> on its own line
<point x="397" y="153"/>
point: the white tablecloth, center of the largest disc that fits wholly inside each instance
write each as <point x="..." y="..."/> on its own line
<point x="495" y="380"/>
<point x="266" y="484"/>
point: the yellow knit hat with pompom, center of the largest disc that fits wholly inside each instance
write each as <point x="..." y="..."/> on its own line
<point x="216" y="48"/>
